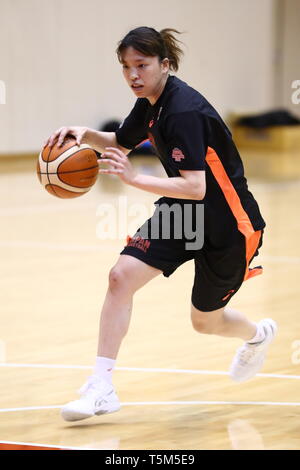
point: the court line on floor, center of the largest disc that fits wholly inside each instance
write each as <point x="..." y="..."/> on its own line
<point x="33" y="444"/>
<point x="144" y="369"/>
<point x="164" y="403"/>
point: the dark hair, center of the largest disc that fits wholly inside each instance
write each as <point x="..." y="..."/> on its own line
<point x="152" y="43"/>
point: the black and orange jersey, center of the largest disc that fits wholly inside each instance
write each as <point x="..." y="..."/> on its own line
<point x="189" y="134"/>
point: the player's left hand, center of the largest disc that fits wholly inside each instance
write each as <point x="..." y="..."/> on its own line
<point x="119" y="164"/>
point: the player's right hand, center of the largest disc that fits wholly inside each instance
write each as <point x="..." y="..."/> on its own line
<point x="59" y="136"/>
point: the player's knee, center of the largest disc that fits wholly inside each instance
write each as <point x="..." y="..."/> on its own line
<point x="202" y="321"/>
<point x="116" y="278"/>
<point x="119" y="280"/>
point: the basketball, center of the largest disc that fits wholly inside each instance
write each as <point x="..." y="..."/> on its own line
<point x="68" y="171"/>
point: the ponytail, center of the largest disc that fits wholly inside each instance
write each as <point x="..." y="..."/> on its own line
<point x="173" y="51"/>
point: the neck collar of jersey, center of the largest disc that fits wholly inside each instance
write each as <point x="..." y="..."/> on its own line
<point x="165" y="91"/>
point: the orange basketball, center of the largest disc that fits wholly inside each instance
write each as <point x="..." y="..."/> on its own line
<point x="68" y="171"/>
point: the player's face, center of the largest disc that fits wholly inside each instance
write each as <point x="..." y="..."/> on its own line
<point x="146" y="75"/>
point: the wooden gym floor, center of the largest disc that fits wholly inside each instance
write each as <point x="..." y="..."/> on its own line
<point x="172" y="382"/>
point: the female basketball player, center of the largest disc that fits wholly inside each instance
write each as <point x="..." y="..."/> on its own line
<point x="205" y="170"/>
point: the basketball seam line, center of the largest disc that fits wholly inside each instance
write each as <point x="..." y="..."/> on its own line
<point x="86" y="189"/>
<point x="63" y="172"/>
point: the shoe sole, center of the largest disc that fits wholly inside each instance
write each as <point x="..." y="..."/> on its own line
<point x="69" y="415"/>
<point x="245" y="378"/>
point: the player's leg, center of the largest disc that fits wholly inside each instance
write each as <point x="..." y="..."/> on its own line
<point x="145" y="256"/>
<point x="125" y="278"/>
<point x="227" y="322"/>
<point x="218" y="276"/>
<point x="223" y="322"/>
<point x="98" y="395"/>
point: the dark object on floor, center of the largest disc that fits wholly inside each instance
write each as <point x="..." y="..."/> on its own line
<point x="144" y="149"/>
<point x="279" y="117"/>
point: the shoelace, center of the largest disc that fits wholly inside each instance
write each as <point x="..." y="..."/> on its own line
<point x="246" y="354"/>
<point x="93" y="384"/>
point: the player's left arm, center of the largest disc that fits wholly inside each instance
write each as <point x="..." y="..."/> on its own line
<point x="195" y="179"/>
<point x="187" y="137"/>
<point x="189" y="185"/>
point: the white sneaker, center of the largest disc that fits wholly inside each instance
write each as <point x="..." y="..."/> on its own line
<point x="250" y="358"/>
<point x="97" y="397"/>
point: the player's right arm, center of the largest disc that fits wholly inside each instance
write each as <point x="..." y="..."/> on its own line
<point x="131" y="132"/>
<point x="99" y="140"/>
<point x="96" y="139"/>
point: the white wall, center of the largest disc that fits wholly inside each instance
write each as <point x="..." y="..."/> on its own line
<point x="291" y="53"/>
<point x="57" y="58"/>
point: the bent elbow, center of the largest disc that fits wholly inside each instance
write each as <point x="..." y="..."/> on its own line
<point x="199" y="197"/>
<point x="199" y="194"/>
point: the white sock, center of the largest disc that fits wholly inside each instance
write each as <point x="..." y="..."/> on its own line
<point x="259" y="335"/>
<point x="104" y="368"/>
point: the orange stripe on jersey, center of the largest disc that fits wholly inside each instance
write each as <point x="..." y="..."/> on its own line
<point x="231" y="196"/>
<point x="243" y="222"/>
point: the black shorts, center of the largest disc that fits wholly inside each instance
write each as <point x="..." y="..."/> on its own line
<point x="219" y="270"/>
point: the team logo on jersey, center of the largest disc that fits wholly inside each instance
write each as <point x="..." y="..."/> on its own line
<point x="177" y="155"/>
